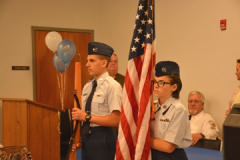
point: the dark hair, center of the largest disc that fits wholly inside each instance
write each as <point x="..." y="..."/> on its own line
<point x="174" y="79"/>
<point x="238" y="60"/>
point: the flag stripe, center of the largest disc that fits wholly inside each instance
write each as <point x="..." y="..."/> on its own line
<point x="146" y="151"/>
<point x="138" y="65"/>
<point x="128" y="136"/>
<point x="120" y="152"/>
<point x="131" y="92"/>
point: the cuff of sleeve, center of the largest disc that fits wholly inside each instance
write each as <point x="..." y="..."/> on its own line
<point x="202" y="135"/>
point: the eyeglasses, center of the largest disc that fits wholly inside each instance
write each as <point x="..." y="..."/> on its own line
<point x="194" y="101"/>
<point x="113" y="61"/>
<point x="159" y="83"/>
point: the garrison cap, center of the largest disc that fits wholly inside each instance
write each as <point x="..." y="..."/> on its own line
<point x="100" y="49"/>
<point x="164" y="68"/>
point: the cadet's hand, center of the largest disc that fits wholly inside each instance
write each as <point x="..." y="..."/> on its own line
<point x="196" y="137"/>
<point x="78" y="114"/>
<point x="76" y="146"/>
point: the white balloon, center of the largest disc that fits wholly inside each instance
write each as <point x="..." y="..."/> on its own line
<point x="52" y="40"/>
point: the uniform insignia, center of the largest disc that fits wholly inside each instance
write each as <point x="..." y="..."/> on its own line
<point x="212" y="124"/>
<point x="164" y="69"/>
<point x="95" y="49"/>
<point x="164" y="120"/>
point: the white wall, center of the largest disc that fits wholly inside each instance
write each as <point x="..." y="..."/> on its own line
<point x="187" y="32"/>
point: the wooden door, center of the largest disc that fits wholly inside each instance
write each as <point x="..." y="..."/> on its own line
<point x="47" y="80"/>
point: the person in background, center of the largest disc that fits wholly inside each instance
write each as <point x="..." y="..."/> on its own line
<point x="202" y="124"/>
<point x="236" y="94"/>
<point x="101" y="104"/>
<point x="170" y="129"/>
<point x="113" y="69"/>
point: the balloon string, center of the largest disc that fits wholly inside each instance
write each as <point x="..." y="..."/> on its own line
<point x="59" y="85"/>
<point x="61" y="88"/>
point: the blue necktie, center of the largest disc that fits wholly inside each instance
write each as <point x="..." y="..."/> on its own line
<point x="86" y="125"/>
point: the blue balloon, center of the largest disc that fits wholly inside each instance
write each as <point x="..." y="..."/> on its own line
<point x="59" y="64"/>
<point x="66" y="50"/>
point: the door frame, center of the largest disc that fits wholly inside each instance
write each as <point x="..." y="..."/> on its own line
<point x="35" y="28"/>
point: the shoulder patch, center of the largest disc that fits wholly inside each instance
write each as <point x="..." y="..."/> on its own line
<point x="212" y="124"/>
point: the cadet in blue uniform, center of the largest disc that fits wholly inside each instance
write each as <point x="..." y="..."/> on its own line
<point x="170" y="129"/>
<point x="98" y="138"/>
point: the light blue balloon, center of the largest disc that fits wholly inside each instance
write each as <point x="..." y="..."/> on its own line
<point x="59" y="64"/>
<point x="66" y="50"/>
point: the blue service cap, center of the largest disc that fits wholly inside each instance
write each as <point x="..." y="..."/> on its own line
<point x="164" y="68"/>
<point x="100" y="49"/>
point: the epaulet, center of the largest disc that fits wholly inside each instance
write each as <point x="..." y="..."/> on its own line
<point x="155" y="101"/>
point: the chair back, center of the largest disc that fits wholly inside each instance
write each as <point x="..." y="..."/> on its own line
<point x="15" y="153"/>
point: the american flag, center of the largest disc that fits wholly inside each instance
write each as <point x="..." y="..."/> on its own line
<point x="134" y="129"/>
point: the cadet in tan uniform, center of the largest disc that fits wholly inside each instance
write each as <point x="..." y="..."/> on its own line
<point x="170" y="130"/>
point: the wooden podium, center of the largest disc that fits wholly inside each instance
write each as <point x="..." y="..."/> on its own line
<point x="32" y="124"/>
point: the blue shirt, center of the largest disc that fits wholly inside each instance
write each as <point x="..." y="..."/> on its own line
<point x="106" y="98"/>
<point x="171" y="123"/>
